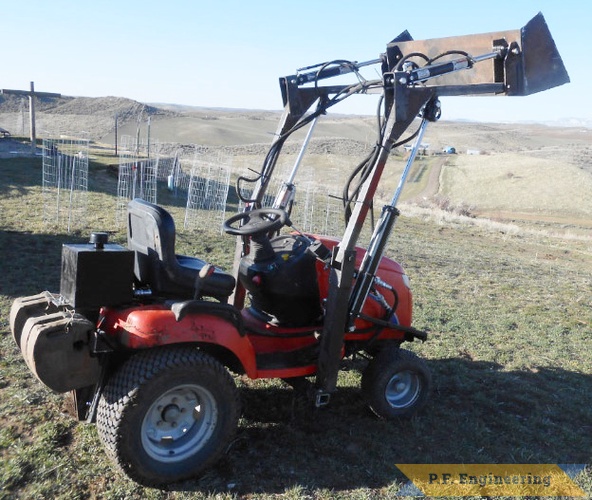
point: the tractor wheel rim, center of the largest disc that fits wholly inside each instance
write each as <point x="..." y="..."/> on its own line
<point x="403" y="389"/>
<point x="179" y="423"/>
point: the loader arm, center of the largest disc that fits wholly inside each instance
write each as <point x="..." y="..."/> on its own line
<point x="414" y="75"/>
<point x="514" y="63"/>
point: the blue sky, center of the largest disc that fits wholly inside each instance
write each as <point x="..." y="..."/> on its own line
<point x="230" y="53"/>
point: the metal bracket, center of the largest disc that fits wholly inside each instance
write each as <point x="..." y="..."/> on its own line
<point x="322" y="398"/>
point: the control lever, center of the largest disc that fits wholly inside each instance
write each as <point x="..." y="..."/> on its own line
<point x="204" y="273"/>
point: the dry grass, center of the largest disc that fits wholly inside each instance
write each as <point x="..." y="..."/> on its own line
<point x="510" y="319"/>
<point x="518" y="182"/>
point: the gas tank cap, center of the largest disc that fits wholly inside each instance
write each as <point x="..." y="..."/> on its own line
<point x="99" y="239"/>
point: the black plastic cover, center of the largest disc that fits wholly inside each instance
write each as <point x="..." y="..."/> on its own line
<point x="286" y="286"/>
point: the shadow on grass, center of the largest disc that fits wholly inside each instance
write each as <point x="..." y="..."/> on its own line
<point x="478" y="413"/>
<point x="19" y="174"/>
<point x="31" y="262"/>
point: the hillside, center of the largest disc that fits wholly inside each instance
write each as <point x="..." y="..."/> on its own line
<point x="498" y="250"/>
<point x="95" y="118"/>
<point x="507" y="172"/>
<point x="91" y="117"/>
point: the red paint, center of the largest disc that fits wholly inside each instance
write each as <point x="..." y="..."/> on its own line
<point x="153" y="325"/>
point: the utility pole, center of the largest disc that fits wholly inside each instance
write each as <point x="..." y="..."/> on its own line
<point x="116" y="118"/>
<point x="148" y="139"/>
<point x="31" y="94"/>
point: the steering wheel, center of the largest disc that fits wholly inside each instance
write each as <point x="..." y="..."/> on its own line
<point x="260" y="221"/>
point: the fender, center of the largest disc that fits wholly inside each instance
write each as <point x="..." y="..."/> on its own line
<point x="157" y="325"/>
<point x="389" y="271"/>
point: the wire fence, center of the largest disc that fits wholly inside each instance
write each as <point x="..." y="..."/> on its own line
<point x="199" y="177"/>
<point x="137" y="176"/>
<point x="207" y="193"/>
<point x="65" y="182"/>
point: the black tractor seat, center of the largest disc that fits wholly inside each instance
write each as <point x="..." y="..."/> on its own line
<point x="151" y="235"/>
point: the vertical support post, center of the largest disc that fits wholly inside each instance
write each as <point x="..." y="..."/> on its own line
<point x="116" y="139"/>
<point x="22" y="116"/>
<point x="138" y="135"/>
<point x="32" y="118"/>
<point x="148" y="138"/>
<point x="402" y="110"/>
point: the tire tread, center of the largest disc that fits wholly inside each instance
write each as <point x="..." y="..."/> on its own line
<point x="121" y="390"/>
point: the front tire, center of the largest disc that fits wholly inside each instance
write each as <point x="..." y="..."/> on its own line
<point x="396" y="383"/>
<point x="167" y="414"/>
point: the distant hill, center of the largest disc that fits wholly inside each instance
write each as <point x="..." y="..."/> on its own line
<point x="503" y="170"/>
<point x="80" y="105"/>
<point x="94" y="118"/>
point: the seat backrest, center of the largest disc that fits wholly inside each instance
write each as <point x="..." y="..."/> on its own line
<point x="151" y="235"/>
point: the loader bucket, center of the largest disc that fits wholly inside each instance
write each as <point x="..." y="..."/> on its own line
<point x="529" y="61"/>
<point x="542" y="65"/>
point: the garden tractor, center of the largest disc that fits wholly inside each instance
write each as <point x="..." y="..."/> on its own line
<point x="146" y="342"/>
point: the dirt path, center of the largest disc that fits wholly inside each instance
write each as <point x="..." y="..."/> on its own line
<point x="433" y="185"/>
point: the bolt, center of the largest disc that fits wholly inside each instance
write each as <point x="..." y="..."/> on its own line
<point x="407" y="67"/>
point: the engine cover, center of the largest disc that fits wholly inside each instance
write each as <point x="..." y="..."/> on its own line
<point x="284" y="286"/>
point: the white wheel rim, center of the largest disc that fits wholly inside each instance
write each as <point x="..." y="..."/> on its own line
<point x="403" y="389"/>
<point x="179" y="423"/>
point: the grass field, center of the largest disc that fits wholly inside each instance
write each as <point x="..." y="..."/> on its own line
<point x="525" y="183"/>
<point x="508" y="308"/>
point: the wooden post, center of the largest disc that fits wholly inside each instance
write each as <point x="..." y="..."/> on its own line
<point x="138" y="135"/>
<point x="148" y="138"/>
<point x="116" y="134"/>
<point x="31" y="94"/>
<point x="32" y="118"/>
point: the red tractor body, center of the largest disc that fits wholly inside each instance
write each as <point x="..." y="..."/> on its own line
<point x="262" y="348"/>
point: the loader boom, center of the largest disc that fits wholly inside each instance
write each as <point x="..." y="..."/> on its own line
<point x="414" y="75"/>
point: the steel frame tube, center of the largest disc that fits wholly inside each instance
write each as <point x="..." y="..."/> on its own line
<point x="380" y="236"/>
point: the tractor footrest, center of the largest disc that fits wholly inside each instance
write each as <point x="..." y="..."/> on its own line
<point x="278" y="360"/>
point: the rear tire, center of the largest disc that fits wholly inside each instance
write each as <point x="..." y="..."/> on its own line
<point x="167" y="414"/>
<point x="396" y="383"/>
